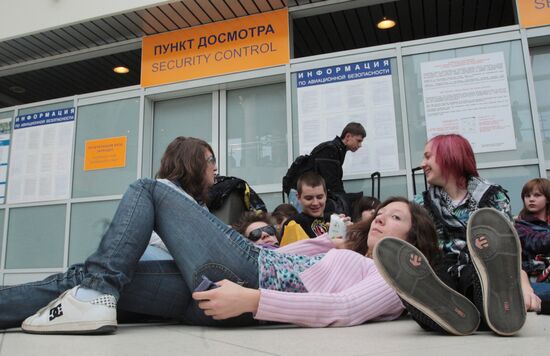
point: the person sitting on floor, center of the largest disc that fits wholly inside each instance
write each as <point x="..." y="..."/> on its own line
<point x="281" y="213"/>
<point x="533" y="227"/>
<point x="312" y="195"/>
<point x="442" y="300"/>
<point x="364" y="208"/>
<point x="258" y="228"/>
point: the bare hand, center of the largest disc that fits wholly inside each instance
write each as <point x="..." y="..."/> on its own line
<point x="228" y="300"/>
<point x="532" y="301"/>
<point x="345" y="219"/>
<point x="339" y="243"/>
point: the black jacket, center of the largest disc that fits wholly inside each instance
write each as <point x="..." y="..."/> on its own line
<point x="312" y="226"/>
<point x="329" y="158"/>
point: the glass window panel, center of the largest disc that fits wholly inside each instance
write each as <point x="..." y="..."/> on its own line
<point x="98" y="121"/>
<point x="88" y="223"/>
<point x="257" y="134"/>
<point x="397" y="110"/>
<point x="271" y="200"/>
<point x="512" y="179"/>
<point x="389" y="186"/>
<point x="36" y="237"/>
<point x="541" y="76"/>
<point x="190" y="116"/>
<point x="519" y="97"/>
<point x="6" y="114"/>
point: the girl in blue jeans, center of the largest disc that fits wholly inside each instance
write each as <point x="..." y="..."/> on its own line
<point x="319" y="282"/>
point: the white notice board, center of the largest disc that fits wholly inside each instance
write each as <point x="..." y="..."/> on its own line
<point x="469" y="96"/>
<point x="331" y="97"/>
<point x="5" y="135"/>
<point x="41" y="153"/>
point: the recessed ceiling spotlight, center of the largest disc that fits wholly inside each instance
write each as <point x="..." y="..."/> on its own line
<point x="121" y="70"/>
<point x="385" y="24"/>
<point x="17" y="89"/>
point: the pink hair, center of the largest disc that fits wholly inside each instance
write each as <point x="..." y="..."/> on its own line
<point x="455" y="157"/>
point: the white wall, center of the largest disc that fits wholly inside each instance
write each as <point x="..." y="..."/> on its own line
<point x="23" y="17"/>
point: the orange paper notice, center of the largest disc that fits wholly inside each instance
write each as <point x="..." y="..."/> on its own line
<point x="105" y="153"/>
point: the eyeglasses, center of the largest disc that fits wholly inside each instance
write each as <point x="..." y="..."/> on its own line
<point x="211" y="160"/>
<point x="256" y="234"/>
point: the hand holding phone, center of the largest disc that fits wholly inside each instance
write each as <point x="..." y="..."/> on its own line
<point x="205" y="285"/>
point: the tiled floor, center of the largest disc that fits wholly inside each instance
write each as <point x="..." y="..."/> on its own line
<point x="402" y="337"/>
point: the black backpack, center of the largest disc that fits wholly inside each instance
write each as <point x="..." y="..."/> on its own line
<point x="301" y="165"/>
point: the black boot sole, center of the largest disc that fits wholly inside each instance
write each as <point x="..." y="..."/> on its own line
<point x="496" y="254"/>
<point x="407" y="270"/>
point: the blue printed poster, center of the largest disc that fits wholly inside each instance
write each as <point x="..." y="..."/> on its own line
<point x="331" y="97"/>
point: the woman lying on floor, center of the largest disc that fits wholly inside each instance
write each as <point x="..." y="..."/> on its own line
<point x="317" y="282"/>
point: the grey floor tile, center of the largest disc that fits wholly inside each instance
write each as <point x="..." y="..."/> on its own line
<point x="402" y="337"/>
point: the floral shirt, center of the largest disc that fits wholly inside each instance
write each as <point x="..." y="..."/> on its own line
<point x="534" y="235"/>
<point x="281" y="271"/>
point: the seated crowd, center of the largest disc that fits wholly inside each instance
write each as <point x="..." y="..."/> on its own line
<point x="454" y="258"/>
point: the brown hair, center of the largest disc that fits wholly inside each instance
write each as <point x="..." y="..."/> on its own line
<point x="283" y="211"/>
<point x="184" y="162"/>
<point x="311" y="179"/>
<point x="364" y="203"/>
<point x="355" y="129"/>
<point x="422" y="233"/>
<point x="249" y="217"/>
<point x="540" y="184"/>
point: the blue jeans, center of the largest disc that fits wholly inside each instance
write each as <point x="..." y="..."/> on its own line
<point x="199" y="242"/>
<point x="542" y="290"/>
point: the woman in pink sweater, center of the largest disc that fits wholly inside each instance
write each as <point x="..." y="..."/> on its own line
<point x="318" y="282"/>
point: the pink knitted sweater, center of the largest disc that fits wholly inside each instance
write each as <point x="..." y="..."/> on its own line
<point x="344" y="289"/>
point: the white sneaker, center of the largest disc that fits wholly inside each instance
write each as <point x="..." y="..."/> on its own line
<point x="68" y="315"/>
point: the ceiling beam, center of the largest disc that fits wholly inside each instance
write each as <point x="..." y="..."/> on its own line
<point x="327" y="6"/>
<point x="71" y="57"/>
<point x="7" y="101"/>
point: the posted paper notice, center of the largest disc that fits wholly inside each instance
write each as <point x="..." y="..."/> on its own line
<point x="469" y="96"/>
<point x="41" y="153"/>
<point x="331" y="97"/>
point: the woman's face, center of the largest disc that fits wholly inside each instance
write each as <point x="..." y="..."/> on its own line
<point x="535" y="202"/>
<point x="211" y="168"/>
<point x="265" y="238"/>
<point x="431" y="168"/>
<point x="392" y="220"/>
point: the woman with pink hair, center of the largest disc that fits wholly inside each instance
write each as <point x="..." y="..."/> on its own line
<point x="480" y="260"/>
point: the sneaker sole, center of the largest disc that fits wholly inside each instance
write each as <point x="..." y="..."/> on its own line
<point x="415" y="281"/>
<point x="497" y="260"/>
<point x="81" y="328"/>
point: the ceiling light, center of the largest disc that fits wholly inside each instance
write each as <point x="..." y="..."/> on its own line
<point x="17" y="89"/>
<point x="121" y="70"/>
<point x="385" y="24"/>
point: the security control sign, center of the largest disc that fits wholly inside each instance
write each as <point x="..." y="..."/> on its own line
<point x="230" y="46"/>
<point x="533" y="13"/>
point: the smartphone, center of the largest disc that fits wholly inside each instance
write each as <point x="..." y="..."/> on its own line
<point x="205" y="285"/>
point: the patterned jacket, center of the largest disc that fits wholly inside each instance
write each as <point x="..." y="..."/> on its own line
<point x="534" y="235"/>
<point x="450" y="221"/>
